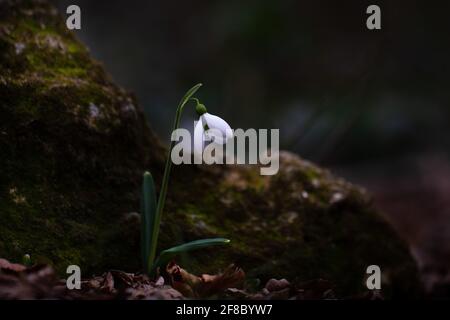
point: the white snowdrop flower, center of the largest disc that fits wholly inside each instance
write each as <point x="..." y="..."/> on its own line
<point x="210" y="128"/>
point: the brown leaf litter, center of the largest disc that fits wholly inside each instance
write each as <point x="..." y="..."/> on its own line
<point x="41" y="282"/>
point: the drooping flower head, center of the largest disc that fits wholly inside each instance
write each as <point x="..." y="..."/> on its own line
<point x="209" y="128"/>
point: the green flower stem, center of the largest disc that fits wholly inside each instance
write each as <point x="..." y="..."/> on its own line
<point x="167" y="169"/>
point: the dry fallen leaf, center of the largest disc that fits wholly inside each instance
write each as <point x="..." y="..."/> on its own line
<point x="5" y="265"/>
<point x="108" y="283"/>
<point x="205" y="285"/>
<point x="277" y="285"/>
<point x="38" y="282"/>
<point x="232" y="277"/>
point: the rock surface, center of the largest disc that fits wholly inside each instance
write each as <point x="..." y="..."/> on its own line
<point x="73" y="148"/>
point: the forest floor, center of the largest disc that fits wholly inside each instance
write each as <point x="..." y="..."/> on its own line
<point x="41" y="282"/>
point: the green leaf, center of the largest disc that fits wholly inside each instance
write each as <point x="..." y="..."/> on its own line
<point x="148" y="217"/>
<point x="189" y="94"/>
<point x="168" y="254"/>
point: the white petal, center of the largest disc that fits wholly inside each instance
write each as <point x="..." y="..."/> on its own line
<point x="199" y="132"/>
<point x="215" y="122"/>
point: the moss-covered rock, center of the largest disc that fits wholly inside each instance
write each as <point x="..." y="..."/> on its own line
<point x="300" y="224"/>
<point x="73" y="147"/>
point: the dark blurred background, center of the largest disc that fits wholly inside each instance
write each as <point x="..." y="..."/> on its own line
<point x="371" y="105"/>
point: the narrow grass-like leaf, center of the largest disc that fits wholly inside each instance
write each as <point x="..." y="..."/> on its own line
<point x="148" y="217"/>
<point x="168" y="254"/>
<point x="189" y="94"/>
